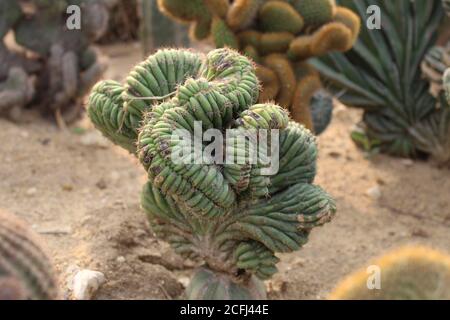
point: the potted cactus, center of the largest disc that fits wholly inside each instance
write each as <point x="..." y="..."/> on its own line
<point x="54" y="66"/>
<point x="382" y="75"/>
<point x="26" y="272"/>
<point x="280" y="36"/>
<point x="233" y="216"/>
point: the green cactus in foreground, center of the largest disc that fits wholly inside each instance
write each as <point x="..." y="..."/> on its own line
<point x="293" y="30"/>
<point x="382" y="75"/>
<point x="63" y="65"/>
<point x="25" y="271"/>
<point x="410" y="273"/>
<point x="232" y="215"/>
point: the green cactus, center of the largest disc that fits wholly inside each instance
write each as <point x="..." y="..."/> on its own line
<point x="231" y="215"/>
<point x="25" y="271"/>
<point x="280" y="17"/>
<point x="382" y="75"/>
<point x="222" y="35"/>
<point x="63" y="63"/>
<point x="315" y="12"/>
<point x="294" y="30"/>
<point x="207" y="285"/>
<point x="410" y="273"/>
<point x="242" y="13"/>
<point x="194" y="11"/>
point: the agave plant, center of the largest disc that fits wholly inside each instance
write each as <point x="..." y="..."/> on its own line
<point x="382" y="75"/>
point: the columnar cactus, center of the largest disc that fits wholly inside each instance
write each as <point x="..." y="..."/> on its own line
<point x="232" y="215"/>
<point x="62" y="67"/>
<point x="410" y="273"/>
<point x="280" y="36"/>
<point x="382" y="75"/>
<point x="25" y="271"/>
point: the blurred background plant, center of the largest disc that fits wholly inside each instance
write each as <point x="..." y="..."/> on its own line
<point x="405" y="113"/>
<point x="26" y="272"/>
<point x="279" y="36"/>
<point x="140" y="20"/>
<point x="409" y="273"/>
<point x="44" y="65"/>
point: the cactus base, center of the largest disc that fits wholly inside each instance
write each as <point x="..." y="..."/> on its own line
<point x="208" y="285"/>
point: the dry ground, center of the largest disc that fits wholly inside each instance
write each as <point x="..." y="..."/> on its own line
<point x="82" y="195"/>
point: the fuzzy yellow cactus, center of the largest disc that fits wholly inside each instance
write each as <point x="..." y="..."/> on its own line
<point x="409" y="273"/>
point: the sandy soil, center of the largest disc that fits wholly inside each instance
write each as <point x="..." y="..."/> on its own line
<point x="81" y="194"/>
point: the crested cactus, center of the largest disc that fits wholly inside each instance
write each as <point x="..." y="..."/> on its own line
<point x="232" y="215"/>
<point x="280" y="36"/>
<point x="62" y="67"/>
<point x="410" y="273"/>
<point x="25" y="271"/>
<point x="382" y="75"/>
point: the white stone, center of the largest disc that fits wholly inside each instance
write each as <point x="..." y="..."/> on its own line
<point x="121" y="259"/>
<point x="31" y="192"/>
<point x="374" y="192"/>
<point x="86" y="283"/>
<point x="407" y="162"/>
<point x="184" y="281"/>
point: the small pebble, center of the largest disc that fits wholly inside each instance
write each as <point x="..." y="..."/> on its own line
<point x="374" y="192"/>
<point x="101" y="184"/>
<point x="86" y="283"/>
<point x="67" y="187"/>
<point x="31" y="192"/>
<point x="121" y="259"/>
<point x="420" y="233"/>
<point x="407" y="162"/>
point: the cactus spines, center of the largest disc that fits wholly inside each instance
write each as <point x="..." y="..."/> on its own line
<point x="350" y="20"/>
<point x="222" y="35"/>
<point x="333" y="36"/>
<point x="315" y="12"/>
<point x="296" y="30"/>
<point x="308" y="84"/>
<point x="232" y="216"/>
<point x="25" y="271"/>
<point x="285" y="73"/>
<point x="280" y="17"/>
<point x="185" y="11"/>
<point x="242" y="13"/>
<point x="271" y="83"/>
<point x="218" y="7"/>
<point x="409" y="273"/>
